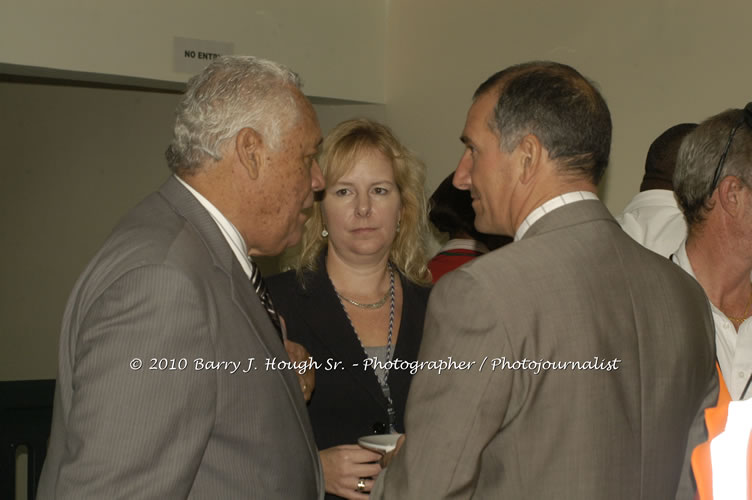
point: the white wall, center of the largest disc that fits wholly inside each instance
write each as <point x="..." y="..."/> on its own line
<point x="337" y="45"/>
<point x="658" y="63"/>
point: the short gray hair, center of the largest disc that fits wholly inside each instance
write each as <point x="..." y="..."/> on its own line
<point x="558" y="105"/>
<point x="232" y="93"/>
<point x="698" y="159"/>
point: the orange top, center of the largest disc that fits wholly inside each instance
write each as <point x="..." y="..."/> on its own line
<point x="715" y="420"/>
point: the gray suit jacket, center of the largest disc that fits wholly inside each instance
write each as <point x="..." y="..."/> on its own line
<point x="574" y="288"/>
<point x="166" y="289"/>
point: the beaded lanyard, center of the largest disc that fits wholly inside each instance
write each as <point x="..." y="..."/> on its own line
<point x="385" y="385"/>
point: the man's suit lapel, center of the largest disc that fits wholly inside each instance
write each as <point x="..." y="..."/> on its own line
<point x="335" y="331"/>
<point x="569" y="215"/>
<point x="243" y="295"/>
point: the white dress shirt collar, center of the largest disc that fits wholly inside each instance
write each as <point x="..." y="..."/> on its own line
<point x="550" y="206"/>
<point x="228" y="230"/>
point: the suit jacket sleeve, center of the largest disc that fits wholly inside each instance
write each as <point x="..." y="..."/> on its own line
<point x="138" y="433"/>
<point x="451" y="416"/>
<point x="698" y="432"/>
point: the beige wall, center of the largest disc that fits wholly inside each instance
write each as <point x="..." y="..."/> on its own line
<point x="74" y="159"/>
<point x="337" y="45"/>
<point x="658" y="63"/>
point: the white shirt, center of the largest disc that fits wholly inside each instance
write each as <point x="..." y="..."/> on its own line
<point x="653" y="220"/>
<point x="733" y="348"/>
<point x="228" y="230"/>
<point x="549" y="206"/>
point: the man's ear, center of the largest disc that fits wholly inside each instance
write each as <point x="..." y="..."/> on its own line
<point x="731" y="195"/>
<point x="530" y="152"/>
<point x="249" y="148"/>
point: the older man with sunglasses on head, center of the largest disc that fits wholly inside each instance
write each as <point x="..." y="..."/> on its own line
<point x="713" y="183"/>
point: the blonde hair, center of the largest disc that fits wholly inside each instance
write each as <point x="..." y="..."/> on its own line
<point x="341" y="149"/>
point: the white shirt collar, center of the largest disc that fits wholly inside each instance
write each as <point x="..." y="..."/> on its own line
<point x="549" y="206"/>
<point x="228" y="230"/>
<point x="680" y="258"/>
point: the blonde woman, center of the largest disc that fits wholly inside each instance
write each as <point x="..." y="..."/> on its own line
<point x="358" y="296"/>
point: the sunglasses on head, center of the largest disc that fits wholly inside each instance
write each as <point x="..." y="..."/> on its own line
<point x="747" y="117"/>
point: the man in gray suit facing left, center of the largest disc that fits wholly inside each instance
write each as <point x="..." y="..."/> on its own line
<point x="593" y="357"/>
<point x="162" y="387"/>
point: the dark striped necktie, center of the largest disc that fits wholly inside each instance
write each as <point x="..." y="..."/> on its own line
<point x="266" y="300"/>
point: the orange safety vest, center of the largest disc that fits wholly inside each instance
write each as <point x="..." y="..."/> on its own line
<point x="715" y="420"/>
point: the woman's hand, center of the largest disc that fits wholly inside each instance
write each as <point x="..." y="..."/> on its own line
<point x="344" y="467"/>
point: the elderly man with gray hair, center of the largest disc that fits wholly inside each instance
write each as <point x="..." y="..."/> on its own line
<point x="713" y="183"/>
<point x="161" y="390"/>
